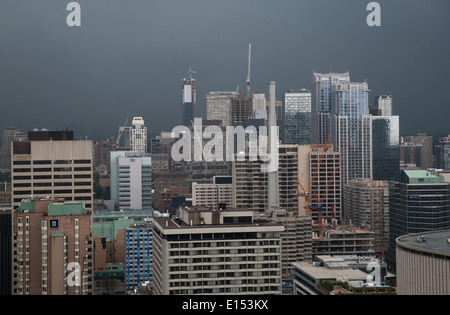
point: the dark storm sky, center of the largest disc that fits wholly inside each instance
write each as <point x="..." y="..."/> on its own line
<point x="128" y="57"/>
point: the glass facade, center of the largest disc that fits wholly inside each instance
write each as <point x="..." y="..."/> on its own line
<point x="297" y="117"/>
<point x="386" y="147"/>
<point x="352" y="129"/>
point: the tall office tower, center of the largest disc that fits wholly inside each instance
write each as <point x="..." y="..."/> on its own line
<point x="422" y="139"/>
<point x="325" y="180"/>
<point x="321" y="103"/>
<point x="138" y="135"/>
<point x="138" y="255"/>
<point x="412" y="154"/>
<point x="53" y="248"/>
<point x="218" y="193"/>
<point x="352" y="129"/>
<point x="131" y="179"/>
<point x="443" y="154"/>
<point x="419" y="202"/>
<point x="367" y="205"/>
<point x="386" y="147"/>
<point x="9" y="135"/>
<point x="188" y="99"/>
<point x="216" y="252"/>
<point x="241" y="108"/>
<point x="5" y="252"/>
<point x="218" y="106"/>
<point x="297" y="117"/>
<point x="52" y="164"/>
<point x="384" y="104"/>
<point x="250" y="184"/>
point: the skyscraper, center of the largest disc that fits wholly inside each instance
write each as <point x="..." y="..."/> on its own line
<point x="53" y="248"/>
<point x="367" y="205"/>
<point x="419" y="202"/>
<point x="131" y="177"/>
<point x="384" y="104"/>
<point x="218" y="106"/>
<point x="321" y="103"/>
<point x="386" y="147"/>
<point x="297" y="117"/>
<point x="352" y="129"/>
<point x="139" y="135"/>
<point x="188" y="99"/>
<point x="52" y="164"/>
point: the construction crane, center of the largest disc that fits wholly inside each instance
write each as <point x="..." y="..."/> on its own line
<point x="121" y="130"/>
<point x="304" y="193"/>
<point x="248" y="71"/>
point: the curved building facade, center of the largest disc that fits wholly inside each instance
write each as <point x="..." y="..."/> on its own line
<point x="423" y="263"/>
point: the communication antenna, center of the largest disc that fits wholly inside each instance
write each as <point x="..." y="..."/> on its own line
<point x="248" y="71"/>
<point x="191" y="72"/>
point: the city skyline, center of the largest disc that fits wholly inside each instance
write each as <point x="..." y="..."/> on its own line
<point x="116" y="68"/>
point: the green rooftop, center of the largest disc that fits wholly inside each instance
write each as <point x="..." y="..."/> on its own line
<point x="26" y="206"/>
<point x="55" y="209"/>
<point x="423" y="177"/>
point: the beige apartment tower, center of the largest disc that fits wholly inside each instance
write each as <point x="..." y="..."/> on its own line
<point x="52" y="164"/>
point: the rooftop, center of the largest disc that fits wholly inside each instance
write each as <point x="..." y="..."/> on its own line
<point x="422" y="176"/>
<point x="437" y="242"/>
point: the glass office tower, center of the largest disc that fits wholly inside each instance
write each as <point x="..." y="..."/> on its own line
<point x="352" y="129"/>
<point x="297" y="117"/>
<point x="386" y="147"/>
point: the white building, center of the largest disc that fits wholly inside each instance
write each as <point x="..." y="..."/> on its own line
<point x="139" y="135"/>
<point x="218" y="106"/>
<point x="216" y="252"/>
<point x="131" y="176"/>
<point x="213" y="194"/>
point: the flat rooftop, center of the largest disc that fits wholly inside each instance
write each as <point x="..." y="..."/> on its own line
<point x="432" y="242"/>
<point x="324" y="273"/>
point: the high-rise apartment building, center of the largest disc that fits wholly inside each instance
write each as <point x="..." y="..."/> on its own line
<point x="317" y="166"/>
<point x="321" y="104"/>
<point x="297" y="117"/>
<point x="52" y="164"/>
<point x="367" y="205"/>
<point x="219" y="192"/>
<point x="138" y="135"/>
<point x="131" y="178"/>
<point x="188" y="99"/>
<point x="138" y="255"/>
<point x="216" y="252"/>
<point x="352" y="129"/>
<point x="52" y="248"/>
<point x="426" y="143"/>
<point x="419" y="202"/>
<point x="218" y="106"/>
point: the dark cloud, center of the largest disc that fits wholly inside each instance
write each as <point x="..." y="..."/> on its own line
<point x="128" y="57"/>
